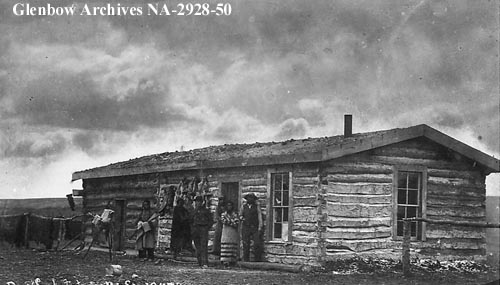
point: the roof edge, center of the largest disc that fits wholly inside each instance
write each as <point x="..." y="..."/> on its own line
<point x="482" y="158"/>
<point x="336" y="151"/>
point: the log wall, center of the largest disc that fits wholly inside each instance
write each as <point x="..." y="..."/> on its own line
<point x="359" y="202"/>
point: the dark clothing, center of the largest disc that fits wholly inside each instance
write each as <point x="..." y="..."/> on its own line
<point x="202" y="222"/>
<point x="180" y="234"/>
<point x="188" y="205"/>
<point x="250" y="216"/>
<point x="200" y="238"/>
<point x="250" y="232"/>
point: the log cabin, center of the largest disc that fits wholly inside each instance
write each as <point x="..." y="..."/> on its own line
<point x="321" y="198"/>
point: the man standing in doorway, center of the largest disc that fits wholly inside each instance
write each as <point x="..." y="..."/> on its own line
<point x="251" y="216"/>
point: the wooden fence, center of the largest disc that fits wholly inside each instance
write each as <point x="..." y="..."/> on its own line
<point x="21" y="229"/>
<point x="405" y="259"/>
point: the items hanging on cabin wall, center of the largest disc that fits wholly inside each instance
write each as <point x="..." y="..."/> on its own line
<point x="192" y="188"/>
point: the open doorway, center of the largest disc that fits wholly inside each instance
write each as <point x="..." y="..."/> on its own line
<point x="231" y="192"/>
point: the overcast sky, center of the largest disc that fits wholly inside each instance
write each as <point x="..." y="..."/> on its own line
<point x="79" y="92"/>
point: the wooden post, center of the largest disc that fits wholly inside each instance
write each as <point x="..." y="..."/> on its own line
<point x="406" y="248"/>
<point x="26" y="229"/>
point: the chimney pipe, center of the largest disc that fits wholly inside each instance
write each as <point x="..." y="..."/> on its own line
<point x="347" y="126"/>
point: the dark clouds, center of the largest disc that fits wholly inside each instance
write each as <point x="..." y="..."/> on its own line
<point x="272" y="70"/>
<point x="74" y="101"/>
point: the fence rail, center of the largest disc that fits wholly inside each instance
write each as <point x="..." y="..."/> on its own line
<point x="405" y="259"/>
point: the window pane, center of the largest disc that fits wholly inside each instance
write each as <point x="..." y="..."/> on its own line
<point x="402" y="179"/>
<point x="413" y="197"/>
<point x="285" y="181"/>
<point x="277" y="230"/>
<point x="284" y="232"/>
<point x="285" y="198"/>
<point x="277" y="215"/>
<point x="401" y="196"/>
<point x="285" y="214"/>
<point x="277" y="182"/>
<point x="413" y="178"/>
<point x="401" y="213"/>
<point x="411" y="212"/>
<point x="277" y="198"/>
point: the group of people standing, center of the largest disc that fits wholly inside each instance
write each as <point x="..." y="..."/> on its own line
<point x="193" y="224"/>
<point x="227" y="231"/>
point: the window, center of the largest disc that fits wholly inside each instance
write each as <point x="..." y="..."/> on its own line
<point x="410" y="191"/>
<point x="280" y="225"/>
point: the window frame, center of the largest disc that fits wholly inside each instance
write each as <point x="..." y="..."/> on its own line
<point x="409" y="168"/>
<point x="270" y="208"/>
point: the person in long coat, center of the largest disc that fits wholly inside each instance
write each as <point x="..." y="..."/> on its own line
<point x="230" y="235"/>
<point x="202" y="222"/>
<point x="146" y="239"/>
<point x="252" y="226"/>
<point x="180" y="234"/>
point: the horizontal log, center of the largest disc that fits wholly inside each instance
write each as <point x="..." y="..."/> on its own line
<point x="359" y="188"/>
<point x="305" y="180"/>
<point x="254" y="182"/>
<point x="359" y="210"/>
<point x="308" y="173"/>
<point x="435" y="164"/>
<point x="305" y="214"/>
<point x="365" y="199"/>
<point x="284" y="259"/>
<point x="336" y="222"/>
<point x="305" y="190"/>
<point x="305" y="201"/>
<point x="452" y="190"/>
<point x="452" y="233"/>
<point x="357" y="168"/>
<point x="454" y="203"/>
<point x="291" y="249"/>
<point x="304" y="239"/>
<point x="368" y="178"/>
<point x="123" y="194"/>
<point x="408" y="151"/>
<point x="255" y="188"/>
<point x="478" y="219"/>
<point x="361" y="245"/>
<point x="306" y="227"/>
<point x="449" y="173"/>
<point x="357" y="233"/>
<point x="456" y="223"/>
<point x="456" y="211"/>
<point x="454" y="181"/>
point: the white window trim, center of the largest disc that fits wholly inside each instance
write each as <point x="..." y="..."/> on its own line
<point x="269" y="209"/>
<point x="410" y="168"/>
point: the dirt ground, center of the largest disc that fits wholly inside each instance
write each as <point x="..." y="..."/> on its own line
<point x="21" y="266"/>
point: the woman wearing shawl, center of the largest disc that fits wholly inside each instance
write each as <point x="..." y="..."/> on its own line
<point x="145" y="242"/>
<point x="229" y="240"/>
